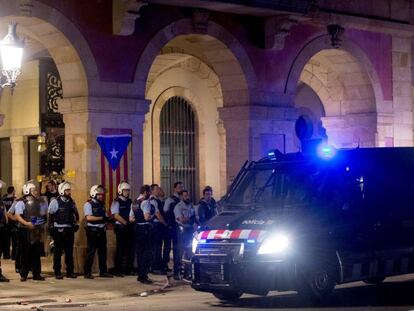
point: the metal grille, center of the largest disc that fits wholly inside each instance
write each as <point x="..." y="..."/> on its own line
<point x="178" y="144"/>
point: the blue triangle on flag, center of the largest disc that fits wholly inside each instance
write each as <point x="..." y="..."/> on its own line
<point x="114" y="147"/>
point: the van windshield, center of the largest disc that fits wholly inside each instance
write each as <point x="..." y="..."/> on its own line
<point x="280" y="186"/>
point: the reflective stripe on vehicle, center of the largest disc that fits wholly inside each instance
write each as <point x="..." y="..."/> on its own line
<point x="238" y="234"/>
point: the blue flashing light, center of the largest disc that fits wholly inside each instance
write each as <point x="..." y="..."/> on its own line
<point x="251" y="241"/>
<point x="202" y="241"/>
<point x="326" y="152"/>
<point x="272" y="154"/>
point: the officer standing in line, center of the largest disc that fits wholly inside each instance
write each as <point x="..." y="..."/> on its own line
<point x="160" y="230"/>
<point x="11" y="216"/>
<point x="97" y="220"/>
<point x="124" y="230"/>
<point x="142" y="214"/>
<point x="185" y="215"/>
<point x="30" y="216"/>
<point x="63" y="223"/>
<point x="172" y="234"/>
<point x="3" y="235"/>
<point x="10" y="236"/>
<point x="207" y="207"/>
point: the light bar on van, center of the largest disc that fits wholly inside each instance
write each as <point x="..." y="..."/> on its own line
<point x="274" y="154"/>
<point x="326" y="151"/>
<point x="274" y="244"/>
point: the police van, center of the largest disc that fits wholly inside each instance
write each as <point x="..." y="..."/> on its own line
<point x="306" y="222"/>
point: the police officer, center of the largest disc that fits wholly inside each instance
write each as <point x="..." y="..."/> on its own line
<point x="63" y="223"/>
<point x="185" y="216"/>
<point x="173" y="234"/>
<point x="10" y="236"/>
<point x="97" y="220"/>
<point x="160" y="230"/>
<point x="120" y="209"/>
<point x="30" y="214"/>
<point x="11" y="216"/>
<point x="142" y="214"/>
<point x="207" y="207"/>
<point x="3" y="235"/>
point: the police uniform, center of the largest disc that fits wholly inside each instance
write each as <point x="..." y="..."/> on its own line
<point x="3" y="229"/>
<point x="15" y="236"/>
<point x="185" y="233"/>
<point x="143" y="235"/>
<point x="31" y="210"/>
<point x="172" y="234"/>
<point x="124" y="236"/>
<point x="3" y="232"/>
<point x="206" y="210"/>
<point x="96" y="236"/>
<point x="63" y="213"/>
<point x="160" y="237"/>
<point x="10" y="230"/>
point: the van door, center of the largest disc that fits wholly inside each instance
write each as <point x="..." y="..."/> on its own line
<point x="351" y="224"/>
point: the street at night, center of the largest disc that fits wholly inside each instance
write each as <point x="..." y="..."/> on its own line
<point x="127" y="295"/>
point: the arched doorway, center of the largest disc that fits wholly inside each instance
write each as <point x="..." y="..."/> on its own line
<point x="211" y="71"/>
<point x="178" y="133"/>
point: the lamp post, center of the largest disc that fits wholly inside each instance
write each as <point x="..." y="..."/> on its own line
<point x="11" y="56"/>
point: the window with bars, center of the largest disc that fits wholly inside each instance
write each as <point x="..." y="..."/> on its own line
<point x="178" y="145"/>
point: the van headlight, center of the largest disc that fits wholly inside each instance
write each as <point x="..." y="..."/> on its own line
<point x="274" y="244"/>
<point x="196" y="241"/>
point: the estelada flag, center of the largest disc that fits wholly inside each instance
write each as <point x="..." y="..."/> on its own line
<point x="114" y="160"/>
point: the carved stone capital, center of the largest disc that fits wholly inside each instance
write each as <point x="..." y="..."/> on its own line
<point x="200" y="20"/>
<point x="277" y="28"/>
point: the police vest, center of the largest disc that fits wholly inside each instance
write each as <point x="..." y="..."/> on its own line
<point x="138" y="213"/>
<point x="65" y="215"/>
<point x="8" y="202"/>
<point x="160" y="205"/>
<point x="98" y="210"/>
<point x="31" y="211"/>
<point x="170" y="216"/>
<point x="2" y="214"/>
<point x="124" y="208"/>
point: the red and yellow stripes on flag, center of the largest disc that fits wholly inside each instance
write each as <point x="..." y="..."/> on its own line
<point x="109" y="178"/>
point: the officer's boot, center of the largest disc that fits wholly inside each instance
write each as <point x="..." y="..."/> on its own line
<point x="3" y="278"/>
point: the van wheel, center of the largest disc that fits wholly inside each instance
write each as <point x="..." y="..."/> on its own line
<point x="228" y="296"/>
<point x="375" y="280"/>
<point x="316" y="283"/>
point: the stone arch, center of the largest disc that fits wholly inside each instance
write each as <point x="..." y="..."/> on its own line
<point x="322" y="43"/>
<point x="193" y="77"/>
<point x="235" y="91"/>
<point x="63" y="40"/>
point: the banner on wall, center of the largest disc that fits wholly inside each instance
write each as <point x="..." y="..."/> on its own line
<point x="114" y="159"/>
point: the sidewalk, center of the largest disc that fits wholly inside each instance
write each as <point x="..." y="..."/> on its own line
<point x="17" y="295"/>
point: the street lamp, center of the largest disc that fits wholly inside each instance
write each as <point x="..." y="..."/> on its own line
<point x="11" y="56"/>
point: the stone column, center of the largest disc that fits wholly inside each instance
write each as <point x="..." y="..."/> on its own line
<point x="84" y="118"/>
<point x="251" y="131"/>
<point x="19" y="163"/>
<point x="402" y="99"/>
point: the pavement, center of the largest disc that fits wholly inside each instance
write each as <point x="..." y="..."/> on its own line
<point x="126" y="294"/>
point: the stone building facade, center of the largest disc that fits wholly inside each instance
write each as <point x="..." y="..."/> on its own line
<point x="246" y="72"/>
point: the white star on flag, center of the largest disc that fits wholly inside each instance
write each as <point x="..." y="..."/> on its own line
<point x="114" y="153"/>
